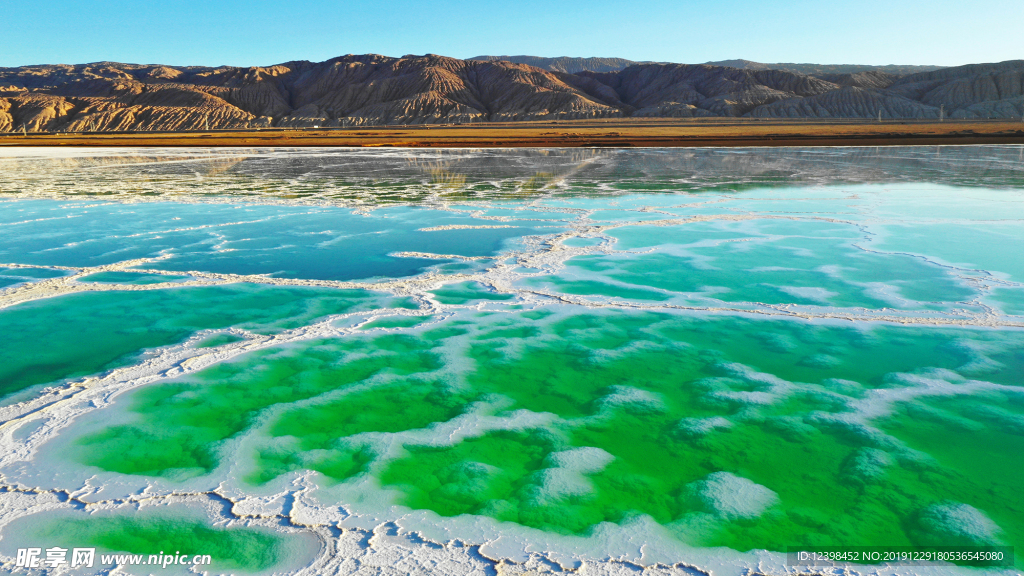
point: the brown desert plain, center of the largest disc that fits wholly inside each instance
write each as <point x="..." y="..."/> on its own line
<point x="612" y="132"/>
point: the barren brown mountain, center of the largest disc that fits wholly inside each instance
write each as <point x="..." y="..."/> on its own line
<point x="373" y="90"/>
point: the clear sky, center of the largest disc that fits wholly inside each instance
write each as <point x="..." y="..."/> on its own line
<point x="263" y="32"/>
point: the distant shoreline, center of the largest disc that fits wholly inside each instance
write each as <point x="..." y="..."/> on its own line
<point x="608" y="133"/>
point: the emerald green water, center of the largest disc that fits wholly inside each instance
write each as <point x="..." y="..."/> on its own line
<point x="691" y="356"/>
<point x="975" y="439"/>
<point x="85" y="333"/>
<point x="464" y="293"/>
<point x="183" y="422"/>
<point x="146" y="533"/>
<point x="753" y="398"/>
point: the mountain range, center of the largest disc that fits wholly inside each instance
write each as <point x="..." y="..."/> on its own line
<point x="373" y="90"/>
<point x="574" y="65"/>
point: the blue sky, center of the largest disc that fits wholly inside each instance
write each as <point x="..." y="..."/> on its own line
<point x="262" y="32"/>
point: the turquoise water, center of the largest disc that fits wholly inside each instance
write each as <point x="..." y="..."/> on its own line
<point x="693" y="357"/>
<point x="131" y="278"/>
<point x="21" y="275"/>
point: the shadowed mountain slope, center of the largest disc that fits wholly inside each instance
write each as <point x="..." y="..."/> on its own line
<point x="972" y="91"/>
<point x="700" y="90"/>
<point x="575" y="65"/>
<point x="819" y="69"/>
<point x="365" y="90"/>
<point x="567" y="64"/>
<point x="868" y="79"/>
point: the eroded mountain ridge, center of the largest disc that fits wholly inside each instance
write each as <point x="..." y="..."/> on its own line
<point x="370" y="90"/>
